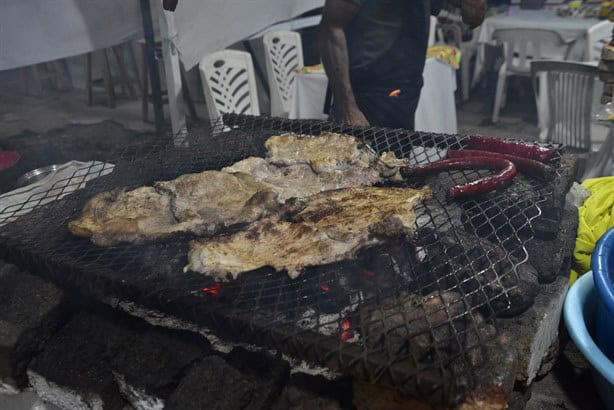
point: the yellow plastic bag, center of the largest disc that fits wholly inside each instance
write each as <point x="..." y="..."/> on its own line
<point x="596" y="216"/>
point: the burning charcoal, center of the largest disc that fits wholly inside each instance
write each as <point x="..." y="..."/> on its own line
<point x="31" y="310"/>
<point x="213" y="384"/>
<point x="422" y="324"/>
<point x="149" y="369"/>
<point x="384" y="268"/>
<point x="73" y="370"/>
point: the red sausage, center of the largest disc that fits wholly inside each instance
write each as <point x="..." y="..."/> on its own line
<point x="512" y="148"/>
<point x="525" y="165"/>
<point x="507" y="172"/>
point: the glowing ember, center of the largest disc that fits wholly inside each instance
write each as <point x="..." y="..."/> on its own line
<point x="213" y="290"/>
<point x="347" y="333"/>
<point x="325" y="287"/>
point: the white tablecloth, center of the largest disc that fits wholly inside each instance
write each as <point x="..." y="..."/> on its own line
<point x="570" y="29"/>
<point x="33" y="31"/>
<point x="436" y="110"/>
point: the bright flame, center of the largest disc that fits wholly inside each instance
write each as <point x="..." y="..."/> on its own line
<point x="325" y="287"/>
<point x="213" y="290"/>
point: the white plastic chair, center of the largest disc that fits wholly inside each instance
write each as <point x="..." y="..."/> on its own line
<point x="284" y="54"/>
<point x="569" y="98"/>
<point x="597" y="36"/>
<point x="432" y="30"/>
<point x="229" y="83"/>
<point x="520" y="48"/>
<point x="469" y="49"/>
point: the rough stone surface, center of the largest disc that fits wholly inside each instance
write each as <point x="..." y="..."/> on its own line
<point x="213" y="384"/>
<point x="74" y="368"/>
<point x="152" y="366"/>
<point x="31" y="309"/>
<point x="536" y="331"/>
<point x="568" y="386"/>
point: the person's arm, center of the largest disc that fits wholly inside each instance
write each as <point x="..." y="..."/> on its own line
<point x="332" y="43"/>
<point x="474" y="11"/>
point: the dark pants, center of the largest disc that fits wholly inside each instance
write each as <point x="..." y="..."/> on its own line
<point x="383" y="110"/>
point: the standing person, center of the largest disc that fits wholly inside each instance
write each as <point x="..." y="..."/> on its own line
<point x="374" y="52"/>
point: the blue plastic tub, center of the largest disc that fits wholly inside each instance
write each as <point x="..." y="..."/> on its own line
<point x="602" y="265"/>
<point x="580" y="313"/>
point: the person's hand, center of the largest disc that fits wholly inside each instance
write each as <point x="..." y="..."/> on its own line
<point x="354" y="117"/>
<point x="473" y="12"/>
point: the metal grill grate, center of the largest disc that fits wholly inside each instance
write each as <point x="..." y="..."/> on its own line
<point x="417" y="315"/>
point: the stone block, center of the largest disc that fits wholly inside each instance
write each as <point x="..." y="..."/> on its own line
<point x="268" y="372"/>
<point x="535" y="333"/>
<point x="151" y="367"/>
<point x="213" y="384"/>
<point x="31" y="310"/>
<point x="74" y="371"/>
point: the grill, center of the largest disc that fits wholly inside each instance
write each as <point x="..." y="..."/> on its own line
<point x="418" y="315"/>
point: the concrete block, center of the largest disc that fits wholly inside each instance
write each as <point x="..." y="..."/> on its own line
<point x="31" y="310"/>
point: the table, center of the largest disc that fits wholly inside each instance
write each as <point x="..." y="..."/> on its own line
<point x="572" y="30"/>
<point x="436" y="111"/>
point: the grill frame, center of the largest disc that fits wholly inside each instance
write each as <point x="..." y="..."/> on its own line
<point x="40" y="242"/>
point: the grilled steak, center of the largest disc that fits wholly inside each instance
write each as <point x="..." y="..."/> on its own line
<point x="324" y="228"/>
<point x="300" y="181"/>
<point x="325" y="153"/>
<point x="197" y="203"/>
<point x="218" y="199"/>
<point x="298" y="167"/>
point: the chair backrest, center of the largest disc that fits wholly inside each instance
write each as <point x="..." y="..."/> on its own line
<point x="284" y="54"/>
<point x="569" y="99"/>
<point x="432" y="30"/>
<point x="229" y="83"/>
<point x="597" y="36"/>
<point x="526" y="45"/>
<point x="450" y="33"/>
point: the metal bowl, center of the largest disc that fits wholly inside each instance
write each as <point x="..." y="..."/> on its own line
<point x="37" y="175"/>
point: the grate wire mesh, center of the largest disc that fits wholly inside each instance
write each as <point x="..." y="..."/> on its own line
<point x="415" y="314"/>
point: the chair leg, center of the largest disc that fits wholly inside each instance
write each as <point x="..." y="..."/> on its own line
<point x="88" y="79"/>
<point x="504" y="95"/>
<point x="144" y="85"/>
<point x="134" y="65"/>
<point x="107" y="79"/>
<point x="466" y="87"/>
<point x="186" y="93"/>
<point x="126" y="85"/>
<point x="502" y="78"/>
<point x="36" y="79"/>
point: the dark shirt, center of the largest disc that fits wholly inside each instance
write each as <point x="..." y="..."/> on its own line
<point x="387" y="42"/>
